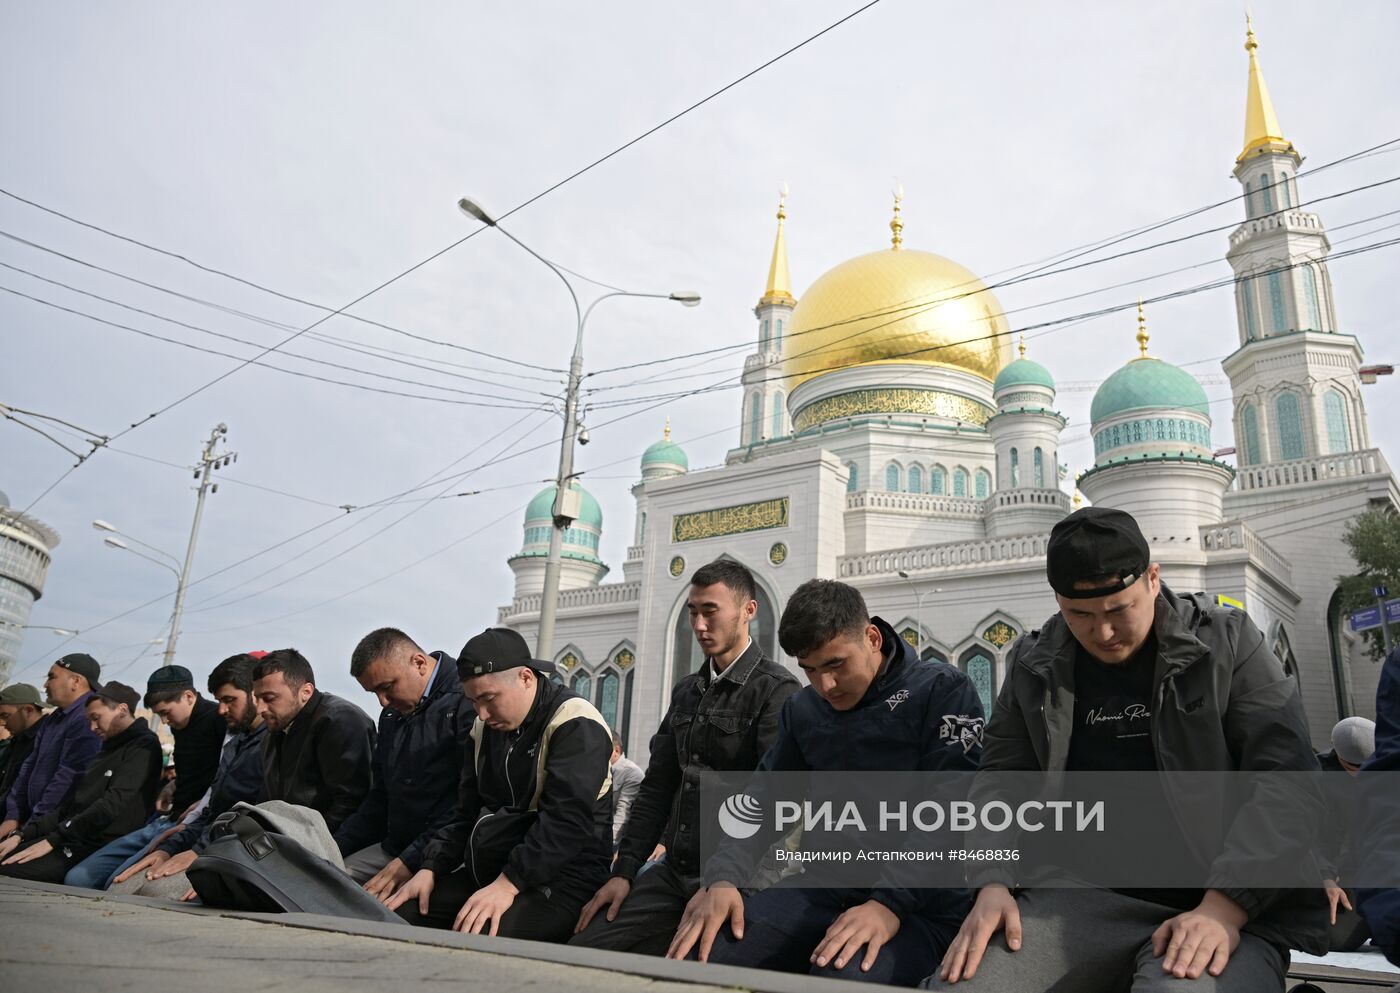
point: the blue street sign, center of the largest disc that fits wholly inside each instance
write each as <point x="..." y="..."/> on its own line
<point x="1380" y="592"/>
<point x="1364" y="620"/>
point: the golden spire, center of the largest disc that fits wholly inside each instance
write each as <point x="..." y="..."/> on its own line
<point x="897" y="225"/>
<point x="666" y="433"/>
<point x="779" y="288"/>
<point x="1078" y="498"/>
<point x="1261" y="127"/>
<point x="1142" y="336"/>
<point x="1022" y="346"/>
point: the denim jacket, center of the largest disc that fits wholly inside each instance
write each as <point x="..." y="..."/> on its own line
<point x="715" y="723"/>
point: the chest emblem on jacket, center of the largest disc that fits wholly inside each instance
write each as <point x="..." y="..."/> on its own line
<point x="958" y="729"/>
<point x="898" y="698"/>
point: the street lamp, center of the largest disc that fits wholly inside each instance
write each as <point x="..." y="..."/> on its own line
<point x="919" y="607"/>
<point x="111" y="542"/>
<point x="566" y="502"/>
<point x="100" y="525"/>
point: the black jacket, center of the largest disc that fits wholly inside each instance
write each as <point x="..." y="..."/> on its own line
<point x="1221" y="703"/>
<point x="239" y="780"/>
<point x="115" y="795"/>
<point x="722" y="725"/>
<point x="20" y="747"/>
<point x="1379" y="839"/>
<point x="323" y="761"/>
<point x="197" y="748"/>
<point x="566" y="843"/>
<point x="916" y="716"/>
<point x="417" y="765"/>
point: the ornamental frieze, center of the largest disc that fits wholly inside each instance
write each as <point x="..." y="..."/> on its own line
<point x="934" y="403"/>
<point x="716" y="523"/>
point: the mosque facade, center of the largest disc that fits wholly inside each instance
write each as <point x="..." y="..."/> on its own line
<point x="892" y="438"/>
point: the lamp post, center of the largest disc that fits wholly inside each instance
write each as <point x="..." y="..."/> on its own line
<point x="209" y="460"/>
<point x="919" y="606"/>
<point x="566" y="502"/>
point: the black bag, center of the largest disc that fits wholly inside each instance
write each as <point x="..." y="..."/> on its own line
<point x="247" y="867"/>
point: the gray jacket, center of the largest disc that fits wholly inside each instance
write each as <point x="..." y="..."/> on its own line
<point x="1221" y="702"/>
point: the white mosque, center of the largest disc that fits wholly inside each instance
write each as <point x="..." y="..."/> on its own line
<point x="891" y="440"/>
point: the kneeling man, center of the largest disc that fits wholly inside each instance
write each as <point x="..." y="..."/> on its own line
<point x="871" y="706"/>
<point x="530" y="838"/>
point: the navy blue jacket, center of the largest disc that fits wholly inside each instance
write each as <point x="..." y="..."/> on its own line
<point x="417" y="763"/>
<point x="1379" y="838"/>
<point x="64" y="747"/>
<point x="239" y="780"/>
<point x="916" y="716"/>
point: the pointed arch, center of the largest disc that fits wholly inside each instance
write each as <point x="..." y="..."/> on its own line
<point x="938" y="480"/>
<point x="893" y="475"/>
<point x="983" y="484"/>
<point x="916" y="478"/>
<point x="1289" y="416"/>
<point x="1335" y="413"/>
<point x="960" y="480"/>
<point x="852" y="477"/>
<point x="683" y="653"/>
<point x="777" y="431"/>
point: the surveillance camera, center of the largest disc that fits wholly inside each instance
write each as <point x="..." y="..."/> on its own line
<point x="583" y="436"/>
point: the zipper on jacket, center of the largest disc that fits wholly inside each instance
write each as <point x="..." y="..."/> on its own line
<point x="506" y="766"/>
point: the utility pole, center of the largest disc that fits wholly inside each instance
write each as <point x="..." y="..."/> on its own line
<point x="1381" y="593"/>
<point x="209" y="460"/>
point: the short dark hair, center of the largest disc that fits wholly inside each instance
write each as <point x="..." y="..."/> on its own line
<point x="113" y="693"/>
<point x="819" y="610"/>
<point x="376" y="645"/>
<point x="235" y="671"/>
<point x="290" y="663"/>
<point x="617" y="741"/>
<point x="167" y="694"/>
<point x="737" y="577"/>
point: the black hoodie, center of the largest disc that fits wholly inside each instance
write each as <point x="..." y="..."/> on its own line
<point x="114" y="797"/>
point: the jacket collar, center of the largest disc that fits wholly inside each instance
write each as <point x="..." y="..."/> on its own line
<point x="444" y="680"/>
<point x="137" y="729"/>
<point x="1174" y="623"/>
<point x="306" y="715"/>
<point x="737" y="671"/>
<point x="898" y="656"/>
<point x="76" y="706"/>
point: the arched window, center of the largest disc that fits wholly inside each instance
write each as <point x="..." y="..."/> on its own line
<point x="609" y="687"/>
<point x="1171" y="429"/>
<point x="582" y="684"/>
<point x="1268" y="194"/>
<point x="1280" y="315"/>
<point x="960" y="482"/>
<point x="1137" y="431"/>
<point x="1245" y="289"/>
<point x="777" y="415"/>
<point x="755" y="418"/>
<point x="984" y="484"/>
<point x="916" y="479"/>
<point x="1039" y="469"/>
<point x="642" y="529"/>
<point x="1283" y="199"/>
<point x="1335" y="411"/>
<point x="1290" y="426"/>
<point x="778" y="338"/>
<point x="763" y="335"/>
<point x="853" y="480"/>
<point x="1015" y="468"/>
<point x="1248" y="200"/>
<point x="977" y="664"/>
<point x="1310" y="299"/>
<point x="892" y="478"/>
<point x="938" y="480"/>
<point x="1249" y="417"/>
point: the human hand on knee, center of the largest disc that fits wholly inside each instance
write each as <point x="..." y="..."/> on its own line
<point x="174" y="864"/>
<point x="705" y="914"/>
<point x="870" y="926"/>
<point x="149" y="862"/>
<point x="995" y="910"/>
<point x="610" y="895"/>
<point x="1200" y="939"/>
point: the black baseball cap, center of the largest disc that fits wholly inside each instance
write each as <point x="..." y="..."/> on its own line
<point x="84" y="665"/>
<point x="1095" y="544"/>
<point x="114" y="693"/>
<point x="496" y="650"/>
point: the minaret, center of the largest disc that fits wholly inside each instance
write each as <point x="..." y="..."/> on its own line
<point x="765" y="392"/>
<point x="1297" y="389"/>
<point x="1026" y="434"/>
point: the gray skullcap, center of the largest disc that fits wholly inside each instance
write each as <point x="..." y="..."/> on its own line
<point x="1354" y="739"/>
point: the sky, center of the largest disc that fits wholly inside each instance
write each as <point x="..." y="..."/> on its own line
<point x="319" y="150"/>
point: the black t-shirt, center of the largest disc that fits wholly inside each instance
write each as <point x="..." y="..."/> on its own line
<point x="1113" y="733"/>
<point x="1113" y="713"/>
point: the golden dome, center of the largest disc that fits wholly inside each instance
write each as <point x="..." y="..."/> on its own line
<point x="897" y="305"/>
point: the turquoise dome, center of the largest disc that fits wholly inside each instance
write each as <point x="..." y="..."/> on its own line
<point x="665" y="452"/>
<point x="1148" y="383"/>
<point x="542" y="506"/>
<point x="1023" y="372"/>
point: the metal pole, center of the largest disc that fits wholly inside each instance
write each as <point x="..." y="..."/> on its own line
<point x="207" y="463"/>
<point x="1385" y="625"/>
